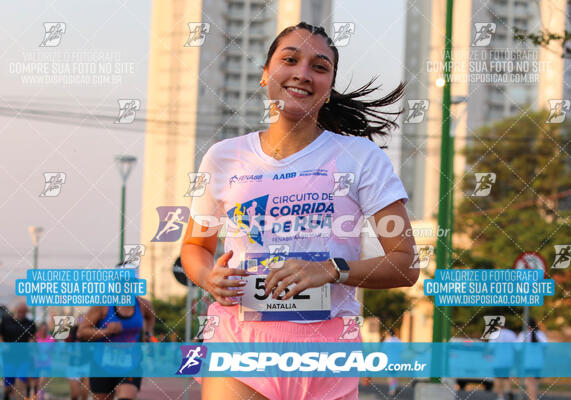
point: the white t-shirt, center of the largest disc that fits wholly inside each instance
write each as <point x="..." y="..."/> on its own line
<point x="314" y="201"/>
<point x="533" y="355"/>
<point x="504" y="355"/>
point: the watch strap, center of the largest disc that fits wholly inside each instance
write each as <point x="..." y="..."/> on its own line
<point x="342" y="267"/>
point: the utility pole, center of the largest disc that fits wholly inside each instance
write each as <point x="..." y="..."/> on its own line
<point x="441" y="318"/>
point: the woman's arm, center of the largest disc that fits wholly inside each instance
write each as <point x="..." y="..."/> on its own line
<point x="197" y="253"/>
<point x="389" y="271"/>
<point x="197" y="258"/>
<point x="394" y="268"/>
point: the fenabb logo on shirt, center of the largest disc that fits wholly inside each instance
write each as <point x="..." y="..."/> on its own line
<point x="245" y="178"/>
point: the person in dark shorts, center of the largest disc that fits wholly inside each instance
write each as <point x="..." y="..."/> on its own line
<point x="17" y="328"/>
<point x="117" y="324"/>
<point x="78" y="367"/>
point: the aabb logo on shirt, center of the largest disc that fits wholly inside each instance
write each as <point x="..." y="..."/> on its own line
<point x="249" y="218"/>
<point x="192" y="359"/>
<point x="287" y="175"/>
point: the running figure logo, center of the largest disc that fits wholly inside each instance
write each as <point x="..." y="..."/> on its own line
<point x="558" y="111"/>
<point x="562" y="256"/>
<point x="342" y="32"/>
<point x="198" y="182"/>
<point x="53" y="34"/>
<point x="484" y="182"/>
<point x="278" y="255"/>
<point x="351" y="327"/>
<point x="62" y="326"/>
<point x="171" y="222"/>
<point x="192" y="359"/>
<point x="422" y="256"/>
<point x="197" y="34"/>
<point x="484" y="33"/>
<point x="343" y="182"/>
<point x="133" y="254"/>
<point x="249" y="218"/>
<point x="272" y="111"/>
<point x="127" y="110"/>
<point x="53" y="184"/>
<point x="417" y="110"/>
<point x="493" y="325"/>
<point x="207" y="324"/>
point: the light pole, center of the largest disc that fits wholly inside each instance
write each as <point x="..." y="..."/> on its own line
<point x="35" y="234"/>
<point x="124" y="165"/>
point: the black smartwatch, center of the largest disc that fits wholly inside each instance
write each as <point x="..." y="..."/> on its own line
<point x="342" y="267"/>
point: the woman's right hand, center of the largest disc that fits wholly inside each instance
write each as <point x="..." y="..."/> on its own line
<point x="219" y="285"/>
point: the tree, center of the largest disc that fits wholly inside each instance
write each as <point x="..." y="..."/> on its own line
<point x="522" y="212"/>
<point x="544" y="37"/>
<point x="387" y="305"/>
<point x="170" y="317"/>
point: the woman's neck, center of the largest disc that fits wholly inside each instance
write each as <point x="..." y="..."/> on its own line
<point x="284" y="138"/>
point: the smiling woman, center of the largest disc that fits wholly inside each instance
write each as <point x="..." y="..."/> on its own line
<point x="306" y="297"/>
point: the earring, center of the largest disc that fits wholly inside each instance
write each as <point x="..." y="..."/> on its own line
<point x="263" y="83"/>
<point x="327" y="101"/>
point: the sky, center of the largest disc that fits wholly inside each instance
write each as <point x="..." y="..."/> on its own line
<point x="81" y="224"/>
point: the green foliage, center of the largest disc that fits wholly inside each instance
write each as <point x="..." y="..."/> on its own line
<point x="544" y="38"/>
<point x="387" y="305"/>
<point x="532" y="165"/>
<point x="170" y="317"/>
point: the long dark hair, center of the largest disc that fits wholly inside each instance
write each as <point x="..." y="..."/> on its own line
<point x="534" y="328"/>
<point x="344" y="114"/>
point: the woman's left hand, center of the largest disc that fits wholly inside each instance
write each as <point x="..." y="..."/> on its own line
<point x="305" y="274"/>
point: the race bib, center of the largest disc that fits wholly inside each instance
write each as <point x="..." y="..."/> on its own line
<point x="311" y="304"/>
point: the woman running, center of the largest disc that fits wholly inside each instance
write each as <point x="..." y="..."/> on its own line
<point x="315" y="177"/>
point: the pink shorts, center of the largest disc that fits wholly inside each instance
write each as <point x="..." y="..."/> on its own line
<point x="231" y="329"/>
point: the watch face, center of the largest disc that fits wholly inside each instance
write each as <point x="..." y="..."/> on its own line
<point x="342" y="264"/>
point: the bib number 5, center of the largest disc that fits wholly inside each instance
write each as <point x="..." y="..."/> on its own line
<point x="260" y="286"/>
